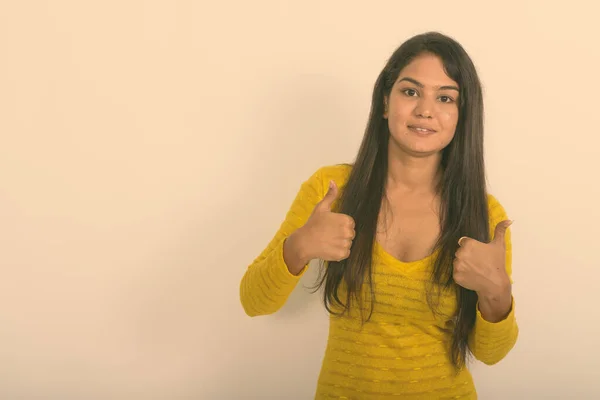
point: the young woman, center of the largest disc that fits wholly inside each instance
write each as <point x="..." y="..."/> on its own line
<point x="417" y="255"/>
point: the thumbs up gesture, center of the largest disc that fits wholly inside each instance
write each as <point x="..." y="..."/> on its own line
<point x="326" y="235"/>
<point x="329" y="235"/>
<point x="481" y="267"/>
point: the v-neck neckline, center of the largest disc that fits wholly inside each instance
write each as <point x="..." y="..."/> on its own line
<point x="405" y="265"/>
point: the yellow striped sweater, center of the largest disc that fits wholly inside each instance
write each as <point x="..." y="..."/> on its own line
<point x="402" y="352"/>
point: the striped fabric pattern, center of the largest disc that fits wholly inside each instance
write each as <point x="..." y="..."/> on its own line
<point x="402" y="352"/>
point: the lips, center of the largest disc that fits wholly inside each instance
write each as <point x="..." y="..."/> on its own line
<point x="421" y="129"/>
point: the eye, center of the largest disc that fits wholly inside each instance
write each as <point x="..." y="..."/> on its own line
<point x="410" y="92"/>
<point x="446" y="99"/>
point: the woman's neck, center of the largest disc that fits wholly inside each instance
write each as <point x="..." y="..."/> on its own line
<point x="413" y="174"/>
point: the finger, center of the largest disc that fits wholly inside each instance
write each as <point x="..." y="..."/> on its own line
<point x="456" y="267"/>
<point x="462" y="241"/>
<point x="348" y="233"/>
<point x="330" y="197"/>
<point x="345" y="255"/>
<point x="500" y="231"/>
<point x="351" y="222"/>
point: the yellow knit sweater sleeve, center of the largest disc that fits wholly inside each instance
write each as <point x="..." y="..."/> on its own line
<point x="267" y="282"/>
<point x="490" y="342"/>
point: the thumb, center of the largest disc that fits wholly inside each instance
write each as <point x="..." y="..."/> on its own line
<point x="500" y="231"/>
<point x="330" y="197"/>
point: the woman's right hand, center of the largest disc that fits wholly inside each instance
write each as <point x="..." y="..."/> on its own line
<point x="326" y="235"/>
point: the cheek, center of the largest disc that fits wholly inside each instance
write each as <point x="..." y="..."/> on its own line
<point x="448" y="120"/>
<point x="400" y="109"/>
<point x="398" y="117"/>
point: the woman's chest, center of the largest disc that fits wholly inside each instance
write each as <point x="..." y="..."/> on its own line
<point x="409" y="295"/>
<point x="408" y="231"/>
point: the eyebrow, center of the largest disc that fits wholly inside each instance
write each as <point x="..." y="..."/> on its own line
<point x="419" y="84"/>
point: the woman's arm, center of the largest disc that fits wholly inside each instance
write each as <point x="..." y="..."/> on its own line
<point x="490" y="341"/>
<point x="268" y="282"/>
<point x="496" y="331"/>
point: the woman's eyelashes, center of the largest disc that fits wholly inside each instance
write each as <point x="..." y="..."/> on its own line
<point x="410" y="92"/>
<point x="446" y="99"/>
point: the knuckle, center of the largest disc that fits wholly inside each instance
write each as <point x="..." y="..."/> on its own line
<point x="343" y="254"/>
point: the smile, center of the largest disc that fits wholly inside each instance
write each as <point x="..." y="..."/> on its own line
<point x="420" y="129"/>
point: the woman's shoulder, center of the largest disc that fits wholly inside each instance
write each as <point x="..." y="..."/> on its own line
<point x="338" y="173"/>
<point x="317" y="184"/>
<point x="496" y="211"/>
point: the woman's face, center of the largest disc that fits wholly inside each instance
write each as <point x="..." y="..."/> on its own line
<point x="422" y="108"/>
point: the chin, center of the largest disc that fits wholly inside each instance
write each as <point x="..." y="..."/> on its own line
<point x="418" y="148"/>
<point x="422" y="153"/>
<point x="419" y="152"/>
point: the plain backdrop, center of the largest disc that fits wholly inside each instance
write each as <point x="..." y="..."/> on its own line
<point x="149" y="150"/>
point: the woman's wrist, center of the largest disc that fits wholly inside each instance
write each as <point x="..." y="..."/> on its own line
<point x="496" y="304"/>
<point x="294" y="253"/>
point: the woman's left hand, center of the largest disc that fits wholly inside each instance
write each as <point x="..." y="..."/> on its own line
<point x="481" y="267"/>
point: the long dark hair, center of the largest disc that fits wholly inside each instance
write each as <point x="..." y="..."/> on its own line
<point x="462" y="190"/>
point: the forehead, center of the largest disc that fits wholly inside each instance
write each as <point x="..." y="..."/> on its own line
<point x="427" y="69"/>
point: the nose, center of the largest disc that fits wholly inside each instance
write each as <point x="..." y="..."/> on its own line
<point x="424" y="108"/>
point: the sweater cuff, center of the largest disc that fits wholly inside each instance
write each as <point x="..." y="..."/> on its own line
<point x="487" y="328"/>
<point x="280" y="272"/>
